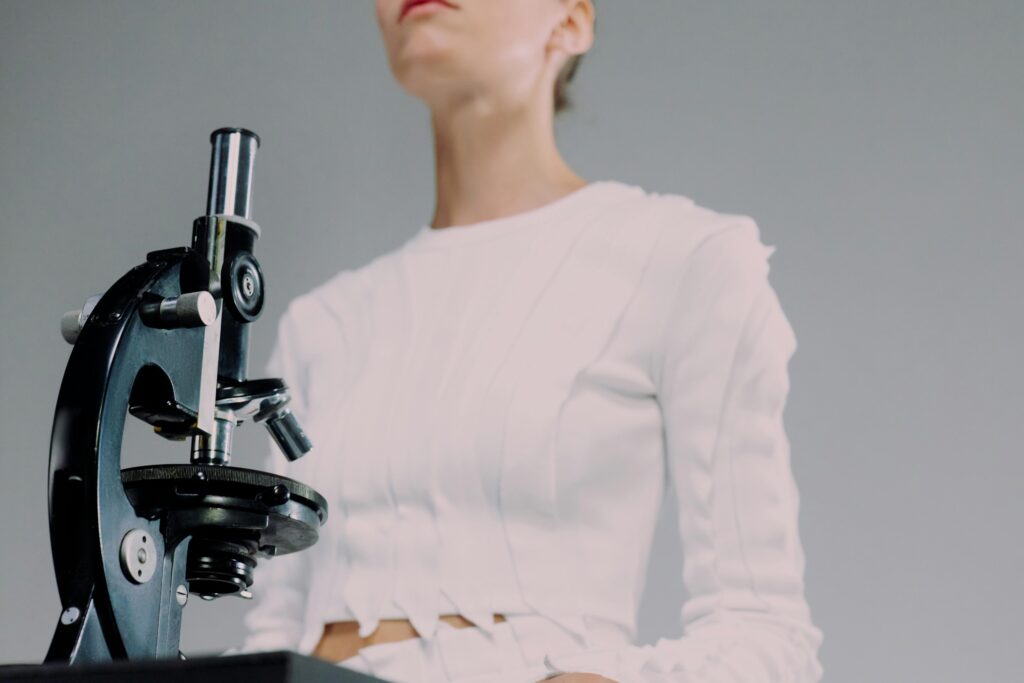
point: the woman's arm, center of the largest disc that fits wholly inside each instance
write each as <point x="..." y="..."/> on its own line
<point x="723" y="383"/>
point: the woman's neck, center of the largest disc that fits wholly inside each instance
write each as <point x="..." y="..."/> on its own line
<point x="492" y="162"/>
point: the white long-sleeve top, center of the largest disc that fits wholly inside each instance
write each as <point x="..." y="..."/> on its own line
<point x="496" y="410"/>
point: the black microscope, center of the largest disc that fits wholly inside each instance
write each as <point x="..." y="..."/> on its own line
<point x="168" y="344"/>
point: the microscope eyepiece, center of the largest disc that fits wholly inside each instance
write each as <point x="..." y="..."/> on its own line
<point x="230" y="188"/>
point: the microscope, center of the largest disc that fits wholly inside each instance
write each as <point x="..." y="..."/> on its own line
<point x="168" y="344"/>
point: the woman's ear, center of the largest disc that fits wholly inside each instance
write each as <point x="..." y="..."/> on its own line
<point x="574" y="34"/>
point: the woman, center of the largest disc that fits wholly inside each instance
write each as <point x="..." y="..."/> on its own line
<point x="498" y="404"/>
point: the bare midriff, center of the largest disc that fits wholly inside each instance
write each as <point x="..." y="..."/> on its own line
<point x="341" y="639"/>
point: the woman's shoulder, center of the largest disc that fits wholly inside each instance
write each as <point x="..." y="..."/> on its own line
<point x="686" y="223"/>
<point x="691" y="232"/>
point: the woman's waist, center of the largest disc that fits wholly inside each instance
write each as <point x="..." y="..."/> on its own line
<point x="341" y="639"/>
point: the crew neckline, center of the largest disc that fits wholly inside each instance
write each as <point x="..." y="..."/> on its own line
<point x="428" y="237"/>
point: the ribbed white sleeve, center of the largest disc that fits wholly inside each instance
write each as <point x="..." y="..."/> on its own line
<point x="276" y="618"/>
<point x="723" y="382"/>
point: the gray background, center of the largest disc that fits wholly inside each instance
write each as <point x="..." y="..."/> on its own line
<point x="878" y="145"/>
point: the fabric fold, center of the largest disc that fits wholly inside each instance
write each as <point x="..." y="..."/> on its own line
<point x="365" y="485"/>
<point x="371" y="576"/>
<point x="427" y="284"/>
<point x="462" y="503"/>
<point x="581" y="308"/>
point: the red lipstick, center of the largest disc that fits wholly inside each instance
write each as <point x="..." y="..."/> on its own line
<point x="409" y="5"/>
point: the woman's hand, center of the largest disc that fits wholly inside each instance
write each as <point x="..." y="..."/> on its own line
<point x="578" y="678"/>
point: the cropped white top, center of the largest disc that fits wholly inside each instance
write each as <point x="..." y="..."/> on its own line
<point x="497" y="408"/>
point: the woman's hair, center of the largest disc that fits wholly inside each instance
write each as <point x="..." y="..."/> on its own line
<point x="562" y="100"/>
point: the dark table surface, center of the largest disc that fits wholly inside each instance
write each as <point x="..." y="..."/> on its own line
<point x="259" y="667"/>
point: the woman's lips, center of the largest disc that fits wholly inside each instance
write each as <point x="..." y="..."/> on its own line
<point x="409" y="5"/>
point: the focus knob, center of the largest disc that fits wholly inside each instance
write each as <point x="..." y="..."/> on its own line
<point x="72" y="322"/>
<point x="194" y="309"/>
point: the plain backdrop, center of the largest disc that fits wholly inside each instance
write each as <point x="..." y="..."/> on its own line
<point x="877" y="143"/>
